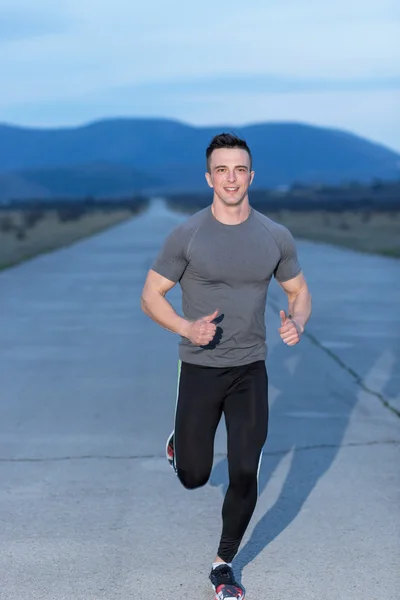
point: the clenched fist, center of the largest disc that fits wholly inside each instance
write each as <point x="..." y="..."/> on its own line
<point x="202" y="331"/>
<point x="289" y="331"/>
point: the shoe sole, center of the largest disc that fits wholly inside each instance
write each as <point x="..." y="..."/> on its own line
<point x="218" y="597"/>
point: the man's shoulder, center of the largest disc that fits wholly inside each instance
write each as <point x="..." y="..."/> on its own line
<point x="277" y="230"/>
<point x="191" y="224"/>
<point x="197" y="218"/>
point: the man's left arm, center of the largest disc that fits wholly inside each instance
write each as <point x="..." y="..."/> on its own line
<point x="299" y="309"/>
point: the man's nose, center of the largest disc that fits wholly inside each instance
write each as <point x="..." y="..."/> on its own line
<point x="232" y="176"/>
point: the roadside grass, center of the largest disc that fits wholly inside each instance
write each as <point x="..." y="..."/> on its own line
<point x="25" y="234"/>
<point x="373" y="232"/>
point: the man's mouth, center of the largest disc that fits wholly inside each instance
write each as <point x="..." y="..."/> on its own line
<point x="231" y="189"/>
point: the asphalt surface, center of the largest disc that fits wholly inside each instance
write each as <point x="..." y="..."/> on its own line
<point x="89" y="508"/>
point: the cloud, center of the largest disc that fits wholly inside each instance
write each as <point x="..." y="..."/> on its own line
<point x="17" y="25"/>
<point x="265" y="83"/>
<point x="123" y="42"/>
<point x="185" y="60"/>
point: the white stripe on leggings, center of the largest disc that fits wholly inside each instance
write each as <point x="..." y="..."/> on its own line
<point x="258" y="472"/>
<point x="176" y="401"/>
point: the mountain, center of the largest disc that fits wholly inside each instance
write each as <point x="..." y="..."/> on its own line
<point x="119" y="156"/>
<point x="98" y="180"/>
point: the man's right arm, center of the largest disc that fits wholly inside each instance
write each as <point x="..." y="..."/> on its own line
<point x="157" y="307"/>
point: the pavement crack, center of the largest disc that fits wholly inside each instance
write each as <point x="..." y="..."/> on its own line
<point x="324" y="446"/>
<point x="358" y="379"/>
<point x="82" y="457"/>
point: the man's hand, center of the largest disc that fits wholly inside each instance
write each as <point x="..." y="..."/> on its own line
<point x="289" y="331"/>
<point x="202" y="331"/>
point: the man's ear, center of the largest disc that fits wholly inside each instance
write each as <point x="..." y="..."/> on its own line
<point x="208" y="178"/>
<point x="251" y="177"/>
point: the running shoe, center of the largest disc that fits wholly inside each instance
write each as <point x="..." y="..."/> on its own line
<point x="224" y="584"/>
<point x="170" y="452"/>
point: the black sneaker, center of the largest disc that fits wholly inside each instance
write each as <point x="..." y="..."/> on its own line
<point x="224" y="584"/>
<point x="170" y="452"/>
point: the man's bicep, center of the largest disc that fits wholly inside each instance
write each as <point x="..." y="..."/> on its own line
<point x="294" y="285"/>
<point x="157" y="283"/>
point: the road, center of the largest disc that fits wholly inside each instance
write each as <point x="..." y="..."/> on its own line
<point x="90" y="510"/>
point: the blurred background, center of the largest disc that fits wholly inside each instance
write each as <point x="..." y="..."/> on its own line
<point x="108" y="105"/>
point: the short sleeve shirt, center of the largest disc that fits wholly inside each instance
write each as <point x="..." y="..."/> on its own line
<point x="229" y="268"/>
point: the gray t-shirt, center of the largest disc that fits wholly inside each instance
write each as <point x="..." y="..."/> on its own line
<point x="227" y="267"/>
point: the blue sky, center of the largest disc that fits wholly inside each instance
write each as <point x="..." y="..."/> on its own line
<point x="222" y="62"/>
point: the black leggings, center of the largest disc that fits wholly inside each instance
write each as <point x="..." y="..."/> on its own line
<point x="241" y="393"/>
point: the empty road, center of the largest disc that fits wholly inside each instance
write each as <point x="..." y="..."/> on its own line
<point x="89" y="508"/>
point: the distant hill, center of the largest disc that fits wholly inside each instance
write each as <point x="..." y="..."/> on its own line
<point x="119" y="156"/>
<point x="98" y="180"/>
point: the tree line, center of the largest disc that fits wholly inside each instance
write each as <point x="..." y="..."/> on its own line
<point x="380" y="195"/>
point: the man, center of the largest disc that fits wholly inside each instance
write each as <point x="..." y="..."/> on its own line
<point x="224" y="257"/>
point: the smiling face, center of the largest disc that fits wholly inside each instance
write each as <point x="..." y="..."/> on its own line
<point x="230" y="174"/>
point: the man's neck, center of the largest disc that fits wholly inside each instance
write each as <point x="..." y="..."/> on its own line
<point x="231" y="215"/>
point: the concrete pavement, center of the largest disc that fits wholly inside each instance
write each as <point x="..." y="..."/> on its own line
<point x="89" y="508"/>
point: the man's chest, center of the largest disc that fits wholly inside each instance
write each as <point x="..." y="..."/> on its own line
<point x="232" y="260"/>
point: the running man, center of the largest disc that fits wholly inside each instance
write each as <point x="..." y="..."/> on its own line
<point x="224" y="257"/>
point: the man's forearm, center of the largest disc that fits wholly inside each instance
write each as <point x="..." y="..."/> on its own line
<point x="157" y="307"/>
<point x="300" y="307"/>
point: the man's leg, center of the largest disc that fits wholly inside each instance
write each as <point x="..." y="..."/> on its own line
<point x="198" y="412"/>
<point x="246" y="414"/>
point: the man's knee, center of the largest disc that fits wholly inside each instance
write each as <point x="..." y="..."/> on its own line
<point x="243" y="479"/>
<point x="192" y="480"/>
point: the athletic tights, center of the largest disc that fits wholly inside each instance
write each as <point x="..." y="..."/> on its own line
<point x="241" y="393"/>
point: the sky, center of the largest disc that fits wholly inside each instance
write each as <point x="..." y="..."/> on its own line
<point x="210" y="63"/>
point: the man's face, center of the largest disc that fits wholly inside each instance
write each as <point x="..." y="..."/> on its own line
<point x="230" y="174"/>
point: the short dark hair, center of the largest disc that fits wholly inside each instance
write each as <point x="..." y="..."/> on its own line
<point x="226" y="140"/>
